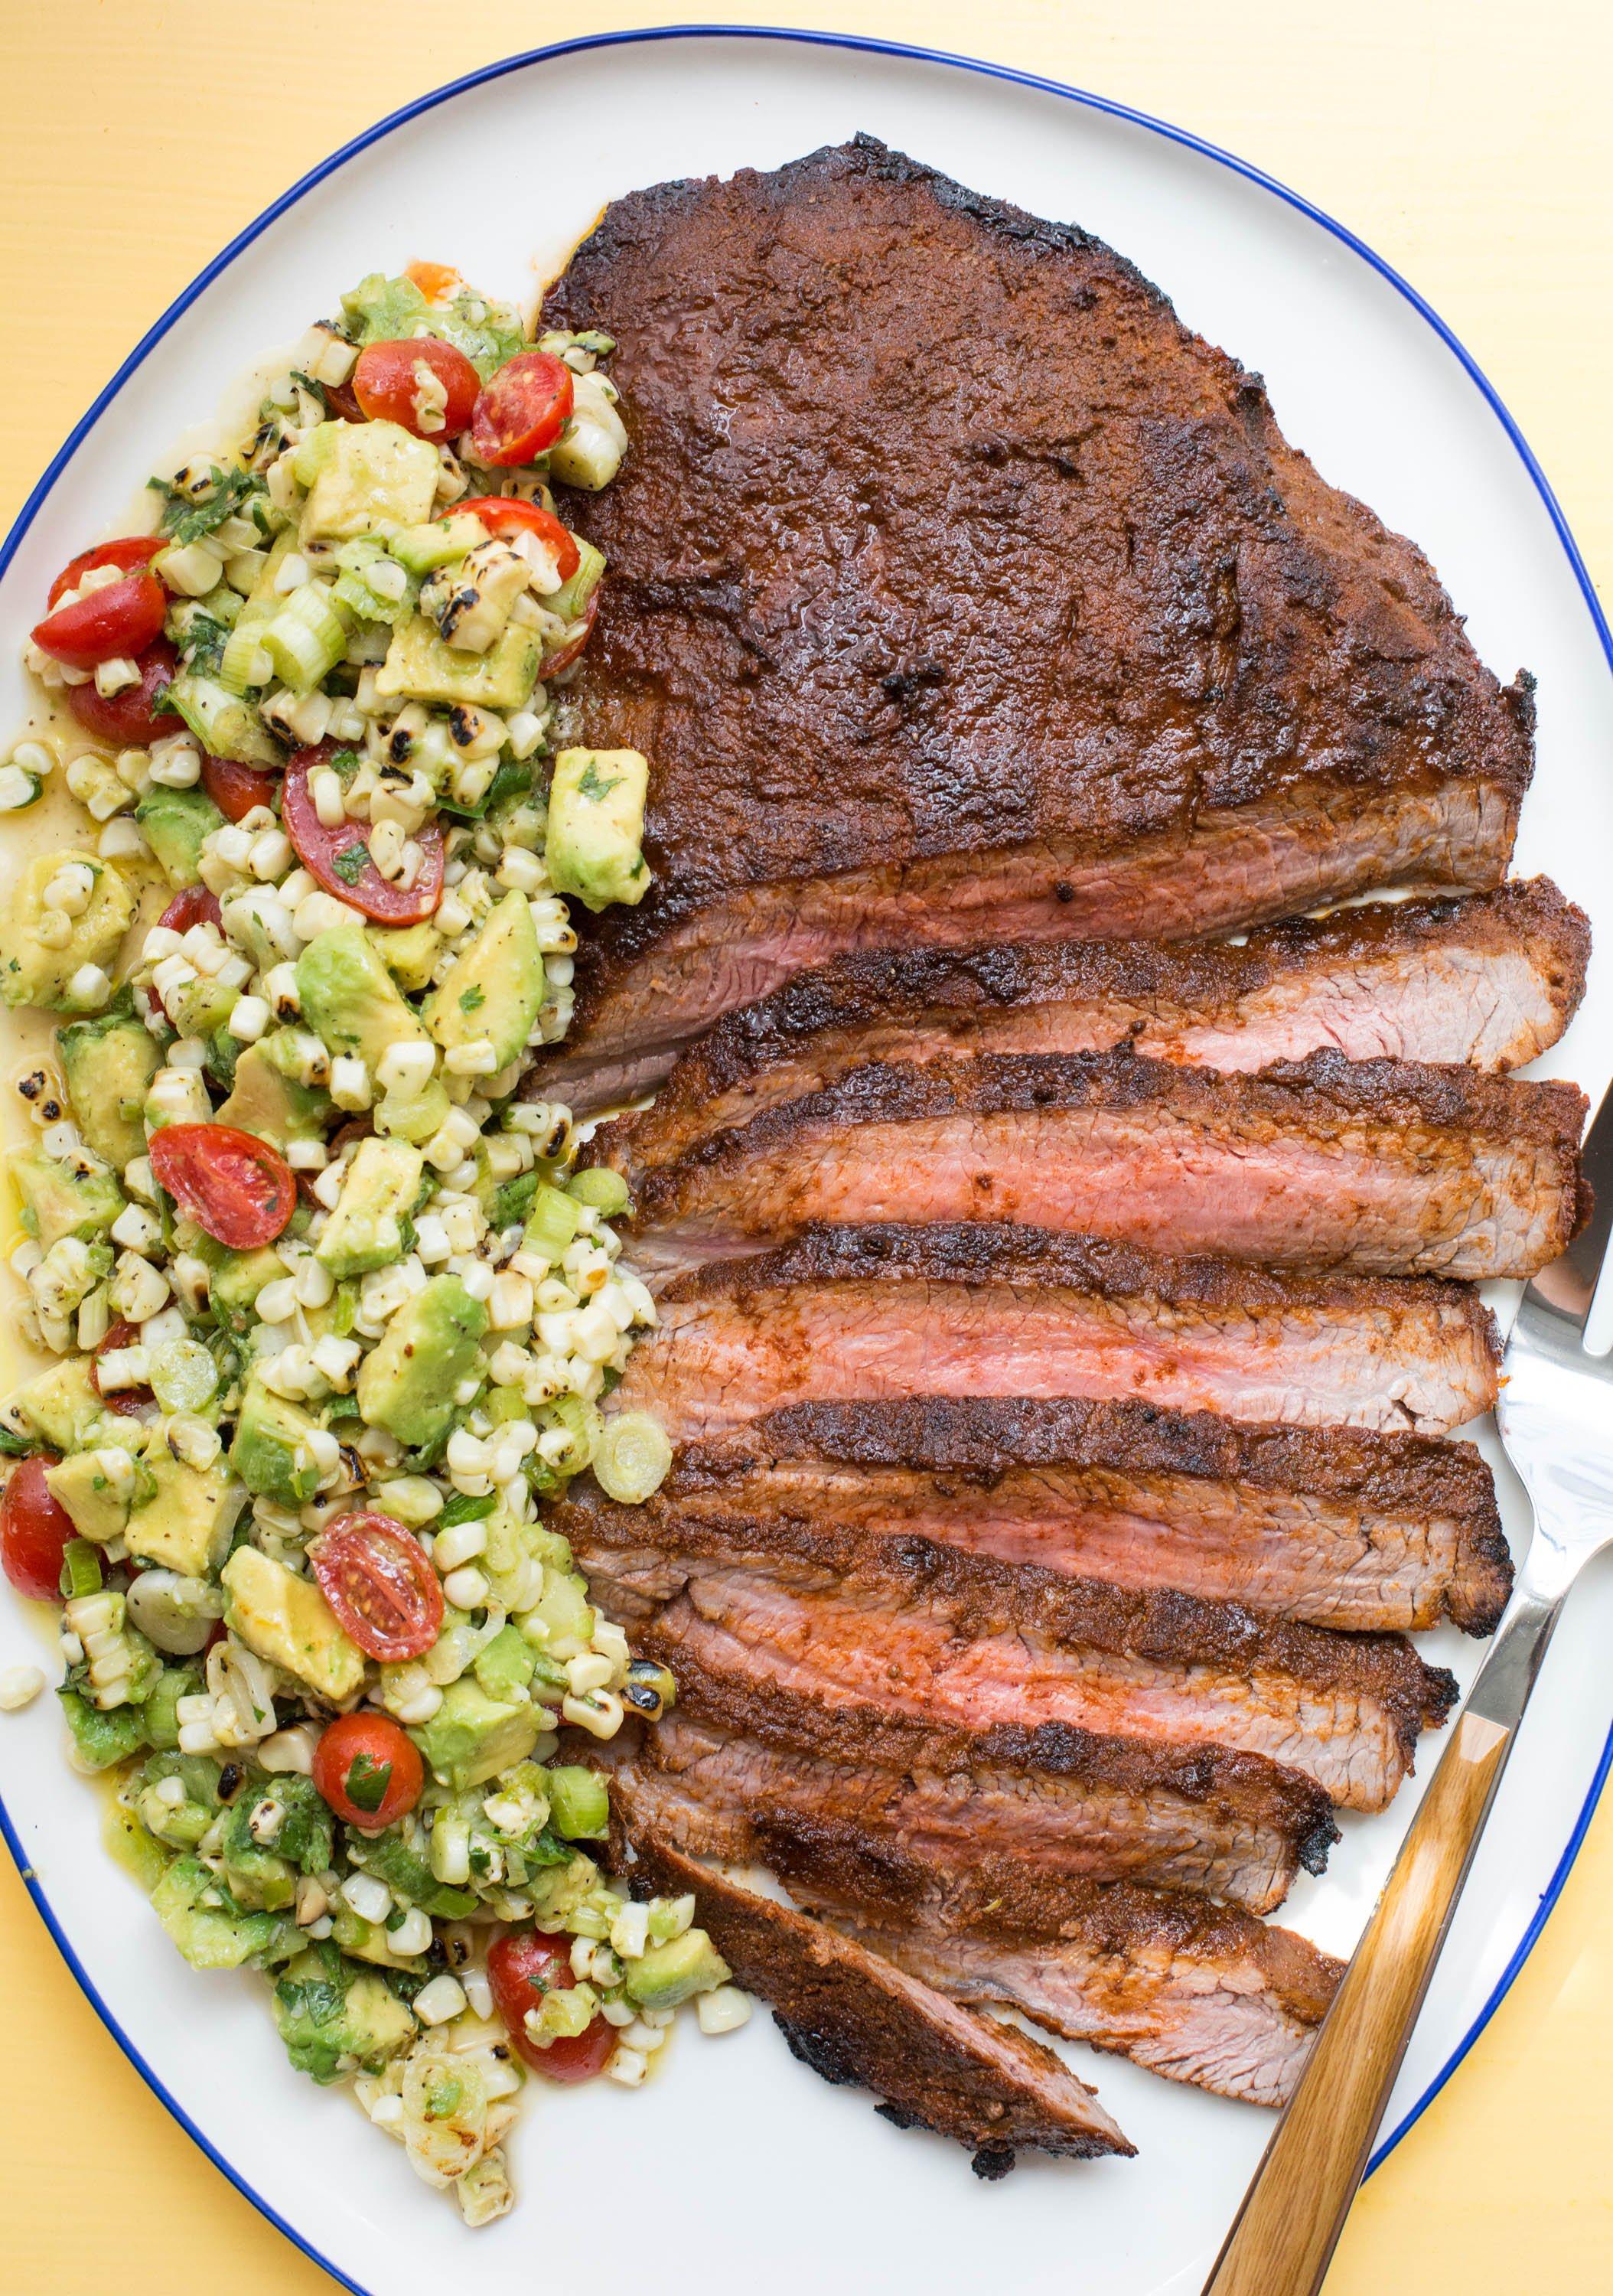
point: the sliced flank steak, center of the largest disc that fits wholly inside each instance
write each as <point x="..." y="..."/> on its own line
<point x="884" y="1313"/>
<point x="1378" y="1166"/>
<point x="960" y="593"/>
<point x="922" y="1630"/>
<point x="1490" y="982"/>
<point x="1337" y="1526"/>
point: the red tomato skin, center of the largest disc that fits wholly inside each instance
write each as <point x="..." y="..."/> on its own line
<point x="571" y="650"/>
<point x="522" y="1966"/>
<point x="236" y="789"/>
<point x="379" y="1583"/>
<point x="130" y="720"/>
<point x="129" y="1400"/>
<point x="317" y="847"/>
<point x="34" y="1530"/>
<point x="522" y="409"/>
<point x="132" y="549"/>
<point x="382" y="1740"/>
<point x="122" y="619"/>
<point x="384" y="384"/>
<point x="236" y="1186"/>
<point x="195" y="906"/>
<point x="502" y="515"/>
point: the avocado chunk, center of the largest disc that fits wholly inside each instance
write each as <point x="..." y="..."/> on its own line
<point x="107" y="1064"/>
<point x="422" y="549"/>
<point x="409" y="952"/>
<point x="30" y="972"/>
<point x="379" y="1189"/>
<point x="271" y="1453"/>
<point x="99" y="1507"/>
<point x="372" y="476"/>
<point x="331" y="2016"/>
<point x="210" y="1939"/>
<point x="504" y="1665"/>
<point x="184" y="1519"/>
<point x="61" y="1407"/>
<point x="418" y="664"/>
<point x="60" y="1197"/>
<point x="237" y="1277"/>
<point x="225" y="724"/>
<point x="349" y="999"/>
<point x="594" y="847"/>
<point x="495" y="989"/>
<point x="414" y="1116"/>
<point x="472" y="1737"/>
<point x="175" y="822"/>
<point x="406" y="1383"/>
<point x="275" y="1107"/>
<point x="287" y="1620"/>
<point x="667" y="1975"/>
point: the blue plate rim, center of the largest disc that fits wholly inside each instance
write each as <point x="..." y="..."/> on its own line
<point x="858" y="43"/>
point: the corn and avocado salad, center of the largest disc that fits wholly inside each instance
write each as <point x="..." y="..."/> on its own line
<point x="325" y="1312"/>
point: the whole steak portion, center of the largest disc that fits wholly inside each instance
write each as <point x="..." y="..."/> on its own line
<point x="959" y="594"/>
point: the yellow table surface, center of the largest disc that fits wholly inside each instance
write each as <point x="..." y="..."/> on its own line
<point x="1465" y="140"/>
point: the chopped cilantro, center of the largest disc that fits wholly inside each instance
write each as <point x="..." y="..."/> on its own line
<point x="204" y="644"/>
<point x="593" y="788"/>
<point x="366" y="1782"/>
<point x="351" y="863"/>
<point x="473" y="999"/>
<point x="187" y="521"/>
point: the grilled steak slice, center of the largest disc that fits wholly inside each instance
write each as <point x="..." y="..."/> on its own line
<point x="1196" y="1992"/>
<point x="959" y="594"/>
<point x="1211" y="1822"/>
<point x="1378" y="1165"/>
<point x="860" y="2022"/>
<point x="876" y="1313"/>
<point x="922" y="1630"/>
<point x="1491" y="980"/>
<point x="1340" y="1528"/>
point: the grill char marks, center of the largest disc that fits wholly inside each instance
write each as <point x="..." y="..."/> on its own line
<point x="1380" y="1167"/>
<point x="1200" y="1992"/>
<point x="1491" y="980"/>
<point x="922" y="1630"/>
<point x="1339" y="1528"/>
<point x="1024" y="623"/>
<point x="1040" y="1815"/>
<point x="884" y="1313"/>
<point x="860" y="2022"/>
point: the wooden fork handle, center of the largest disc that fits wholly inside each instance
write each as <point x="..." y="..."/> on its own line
<point x="1284" y="2235"/>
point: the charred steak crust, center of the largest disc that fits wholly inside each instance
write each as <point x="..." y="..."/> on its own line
<point x="820" y="1021"/>
<point x="1033" y="575"/>
<point x="860" y="2022"/>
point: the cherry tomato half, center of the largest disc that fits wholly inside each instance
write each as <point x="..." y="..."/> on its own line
<point x="369" y="1770"/>
<point x="121" y="620"/>
<point x="195" y="906"/>
<point x="522" y="409"/>
<point x="501" y="515"/>
<point x="236" y="789"/>
<point x="232" y="1183"/>
<point x="339" y="860"/>
<point x="387" y="387"/>
<point x="132" y="549"/>
<point x="569" y="649"/>
<point x="130" y="1400"/>
<point x="131" y="719"/>
<point x="379" y="1583"/>
<point x="522" y="1966"/>
<point x="34" y="1528"/>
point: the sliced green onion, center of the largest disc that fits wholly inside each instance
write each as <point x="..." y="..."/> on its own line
<point x="582" y="1422"/>
<point x="306" y="638"/>
<point x="81" y="1570"/>
<point x="552" y="1223"/>
<point x="599" y="1186"/>
<point x="183" y="1375"/>
<point x="632" y="1458"/>
<point x="313" y="452"/>
<point x="569" y="600"/>
<point x="239" y="659"/>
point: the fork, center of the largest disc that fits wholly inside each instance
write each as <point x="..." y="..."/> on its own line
<point x="1555" y="1415"/>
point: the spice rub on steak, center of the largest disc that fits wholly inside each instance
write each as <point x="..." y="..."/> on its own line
<point x="922" y="1629"/>
<point x="1200" y="1993"/>
<point x="1383" y="1166"/>
<point x="1026" y="1814"/>
<point x="860" y="2022"/>
<point x="960" y="593"/>
<point x="1491" y="981"/>
<point x="883" y="1312"/>
<point x="1336" y="1526"/>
